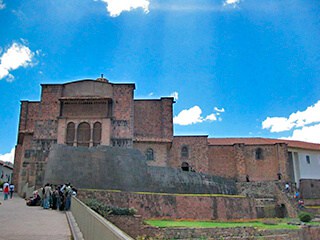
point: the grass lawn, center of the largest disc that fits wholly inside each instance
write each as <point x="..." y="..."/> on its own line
<point x="279" y="224"/>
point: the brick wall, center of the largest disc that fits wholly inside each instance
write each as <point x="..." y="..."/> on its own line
<point x="222" y="161"/>
<point x="50" y="105"/>
<point x="197" y="152"/>
<point x="177" y="206"/>
<point x="153" y="118"/>
<point x="310" y="188"/>
<point x="123" y="111"/>
<point x="160" y="152"/>
<point x="240" y="160"/>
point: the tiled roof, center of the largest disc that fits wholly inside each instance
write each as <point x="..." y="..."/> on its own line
<point x="263" y="141"/>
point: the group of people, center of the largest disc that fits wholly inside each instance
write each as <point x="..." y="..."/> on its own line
<point x="53" y="196"/>
<point x="8" y="190"/>
<point x="296" y="194"/>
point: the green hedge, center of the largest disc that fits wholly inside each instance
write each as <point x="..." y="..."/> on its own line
<point x="305" y="217"/>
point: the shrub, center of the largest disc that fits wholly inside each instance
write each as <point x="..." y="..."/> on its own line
<point x="105" y="210"/>
<point x="305" y="217"/>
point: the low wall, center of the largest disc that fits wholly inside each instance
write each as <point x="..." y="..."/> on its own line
<point x="177" y="206"/>
<point x="93" y="226"/>
<point x="310" y="188"/>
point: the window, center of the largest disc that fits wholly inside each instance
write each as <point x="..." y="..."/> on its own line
<point x="70" y="134"/>
<point x="149" y="154"/>
<point x="308" y="159"/>
<point x="184" y="152"/>
<point x="259" y="155"/>
<point x="185" y="166"/>
<point x="96" y="133"/>
<point x="83" y="134"/>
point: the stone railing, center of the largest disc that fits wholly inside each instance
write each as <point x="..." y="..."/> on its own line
<point x="92" y="225"/>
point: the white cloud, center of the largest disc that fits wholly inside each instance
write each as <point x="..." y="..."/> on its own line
<point x="8" y="157"/>
<point x="298" y="119"/>
<point x="150" y="94"/>
<point x="233" y="3"/>
<point x="18" y="55"/>
<point x="175" y="95"/>
<point x="305" y="124"/>
<point x="218" y="110"/>
<point x="277" y="124"/>
<point x="2" y="5"/>
<point x="192" y="116"/>
<point x="308" y="134"/>
<point x="116" y="7"/>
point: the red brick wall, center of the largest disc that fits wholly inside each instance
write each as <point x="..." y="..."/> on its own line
<point x="123" y="110"/>
<point x="198" y="152"/>
<point x="160" y="151"/>
<point x="177" y="206"/>
<point x="50" y="105"/>
<point x="239" y="160"/>
<point x="147" y="118"/>
<point x="264" y="169"/>
<point x="222" y="161"/>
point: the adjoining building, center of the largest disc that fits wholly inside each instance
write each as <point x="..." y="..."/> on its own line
<point x="89" y="113"/>
<point x="6" y="169"/>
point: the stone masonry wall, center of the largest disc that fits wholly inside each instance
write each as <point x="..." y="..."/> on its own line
<point x="123" y="112"/>
<point x="310" y="188"/>
<point x="197" y="152"/>
<point x="153" y="119"/>
<point x="160" y="152"/>
<point x="177" y="206"/>
<point x="222" y="161"/>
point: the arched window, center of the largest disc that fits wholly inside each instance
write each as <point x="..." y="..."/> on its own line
<point x="70" y="134"/>
<point x="149" y="154"/>
<point x="96" y="133"/>
<point x="259" y="155"/>
<point x="83" y="134"/>
<point x="184" y="152"/>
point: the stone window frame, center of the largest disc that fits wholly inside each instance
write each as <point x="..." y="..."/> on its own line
<point x="259" y="153"/>
<point x="184" y="151"/>
<point x="149" y="154"/>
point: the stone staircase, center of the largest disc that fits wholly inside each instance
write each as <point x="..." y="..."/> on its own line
<point x="270" y="199"/>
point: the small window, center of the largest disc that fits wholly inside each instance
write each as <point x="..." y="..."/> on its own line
<point x="184" y="152"/>
<point x="308" y="159"/>
<point x="185" y="166"/>
<point x="259" y="155"/>
<point x="149" y="154"/>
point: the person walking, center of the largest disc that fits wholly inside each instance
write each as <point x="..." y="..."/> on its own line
<point x="6" y="190"/>
<point x="11" y="189"/>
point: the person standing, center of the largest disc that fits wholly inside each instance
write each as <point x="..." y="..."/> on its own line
<point x="11" y="189"/>
<point x="47" y="196"/>
<point x="6" y="190"/>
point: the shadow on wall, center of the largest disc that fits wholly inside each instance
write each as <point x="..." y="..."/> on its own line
<point x="105" y="167"/>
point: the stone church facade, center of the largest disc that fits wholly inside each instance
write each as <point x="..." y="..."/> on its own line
<point x="89" y="113"/>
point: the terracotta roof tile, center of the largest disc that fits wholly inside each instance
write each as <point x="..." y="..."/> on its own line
<point x="263" y="141"/>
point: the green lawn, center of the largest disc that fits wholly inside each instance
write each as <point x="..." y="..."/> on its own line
<point x="213" y="224"/>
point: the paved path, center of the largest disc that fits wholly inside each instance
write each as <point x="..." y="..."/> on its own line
<point x="20" y="222"/>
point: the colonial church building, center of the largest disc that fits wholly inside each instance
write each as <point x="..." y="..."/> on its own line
<point x="89" y="113"/>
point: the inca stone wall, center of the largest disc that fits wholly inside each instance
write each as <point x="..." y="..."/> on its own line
<point x="125" y="169"/>
<point x="177" y="206"/>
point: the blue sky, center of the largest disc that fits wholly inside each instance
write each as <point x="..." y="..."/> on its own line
<point x="237" y="68"/>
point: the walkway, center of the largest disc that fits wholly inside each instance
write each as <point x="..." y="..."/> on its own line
<point x="20" y="222"/>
